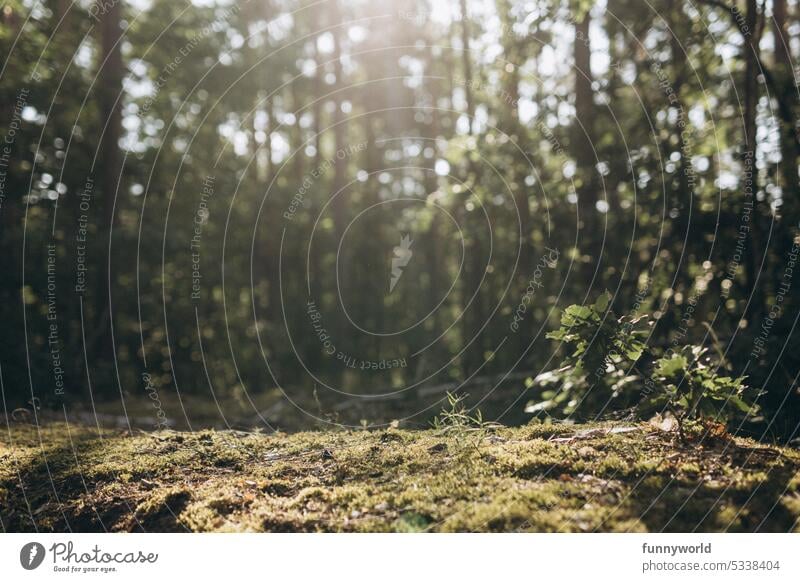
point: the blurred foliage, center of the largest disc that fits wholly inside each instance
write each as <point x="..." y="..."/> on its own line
<point x="610" y="368"/>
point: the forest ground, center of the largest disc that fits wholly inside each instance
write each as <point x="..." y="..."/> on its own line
<point x="550" y="478"/>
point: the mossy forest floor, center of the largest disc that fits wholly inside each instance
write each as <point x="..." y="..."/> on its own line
<point x="543" y="478"/>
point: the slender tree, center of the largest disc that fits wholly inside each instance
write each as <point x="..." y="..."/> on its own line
<point x="785" y="80"/>
<point x="583" y="143"/>
<point x="473" y="317"/>
<point x="750" y="183"/>
<point x="109" y="157"/>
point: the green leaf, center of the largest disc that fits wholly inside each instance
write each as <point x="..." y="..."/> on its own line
<point x="577" y="312"/>
<point x="634" y="351"/>
<point x="740" y="404"/>
<point x="602" y="302"/>
<point x="670" y="367"/>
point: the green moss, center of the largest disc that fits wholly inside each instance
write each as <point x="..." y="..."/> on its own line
<point x="598" y="477"/>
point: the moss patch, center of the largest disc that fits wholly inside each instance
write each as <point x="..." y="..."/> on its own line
<point x="599" y="477"/>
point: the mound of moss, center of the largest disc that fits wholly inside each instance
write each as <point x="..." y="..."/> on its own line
<point x="542" y="478"/>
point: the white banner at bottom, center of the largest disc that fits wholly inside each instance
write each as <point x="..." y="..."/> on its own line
<point x="396" y="557"/>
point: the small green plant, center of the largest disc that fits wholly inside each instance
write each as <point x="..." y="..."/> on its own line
<point x="611" y="368"/>
<point x="456" y="420"/>
<point x="605" y="349"/>
<point x="689" y="387"/>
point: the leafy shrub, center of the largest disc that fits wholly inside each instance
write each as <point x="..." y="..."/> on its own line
<point x="690" y="387"/>
<point x="605" y="348"/>
<point x="609" y="367"/>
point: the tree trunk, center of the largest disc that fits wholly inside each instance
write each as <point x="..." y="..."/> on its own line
<point x="785" y="80"/>
<point x="474" y="313"/>
<point x="683" y="191"/>
<point x="110" y="90"/>
<point x="339" y="126"/>
<point x="339" y="203"/>
<point x="511" y="125"/>
<point x="749" y="170"/>
<point x="583" y="151"/>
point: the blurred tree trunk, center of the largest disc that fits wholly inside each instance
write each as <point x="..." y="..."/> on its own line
<point x="268" y="253"/>
<point x="374" y="120"/>
<point x="510" y="124"/>
<point x="583" y="141"/>
<point x="313" y="355"/>
<point x="473" y="316"/>
<point x="265" y="290"/>
<point x="373" y="261"/>
<point x="466" y="64"/>
<point x="682" y="187"/>
<point x="429" y="131"/>
<point x="269" y="166"/>
<point x="317" y="88"/>
<point x="61" y="7"/>
<point x="110" y="96"/>
<point x="752" y="38"/>
<point x="339" y="207"/>
<point x="785" y="84"/>
<point x="297" y="132"/>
